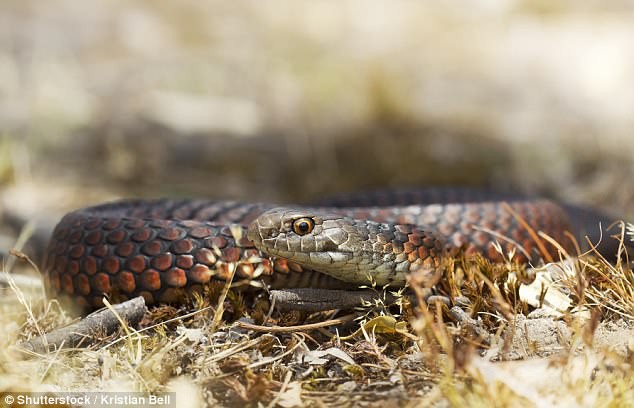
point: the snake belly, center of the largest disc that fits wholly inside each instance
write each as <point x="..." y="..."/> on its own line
<point x="165" y="250"/>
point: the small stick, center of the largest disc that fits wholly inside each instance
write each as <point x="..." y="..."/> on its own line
<point x="292" y="329"/>
<point x="82" y="333"/>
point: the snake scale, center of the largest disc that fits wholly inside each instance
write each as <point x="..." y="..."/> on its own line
<point x="166" y="249"/>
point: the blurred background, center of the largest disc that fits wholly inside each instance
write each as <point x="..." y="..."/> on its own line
<point x="294" y="100"/>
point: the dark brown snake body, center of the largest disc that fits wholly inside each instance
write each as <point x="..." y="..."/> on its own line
<point x="166" y="249"/>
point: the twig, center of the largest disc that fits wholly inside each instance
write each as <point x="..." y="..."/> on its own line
<point x="81" y="333"/>
<point x="292" y="329"/>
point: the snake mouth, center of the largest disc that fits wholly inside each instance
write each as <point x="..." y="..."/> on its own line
<point x="320" y="261"/>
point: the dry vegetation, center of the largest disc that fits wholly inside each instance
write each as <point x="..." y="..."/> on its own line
<point x="227" y="348"/>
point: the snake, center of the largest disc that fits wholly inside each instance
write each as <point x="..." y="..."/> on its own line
<point x="167" y="249"/>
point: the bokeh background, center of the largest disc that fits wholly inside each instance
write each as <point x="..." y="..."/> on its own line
<point x="293" y="100"/>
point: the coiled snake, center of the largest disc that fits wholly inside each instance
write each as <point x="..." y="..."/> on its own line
<point x="166" y="249"/>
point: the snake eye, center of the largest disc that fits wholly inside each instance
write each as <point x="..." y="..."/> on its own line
<point x="303" y="226"/>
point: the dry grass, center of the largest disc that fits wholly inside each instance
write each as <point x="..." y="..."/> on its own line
<point x="391" y="354"/>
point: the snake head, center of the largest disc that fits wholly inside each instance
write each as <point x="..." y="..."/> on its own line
<point x="348" y="249"/>
<point x="299" y="233"/>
